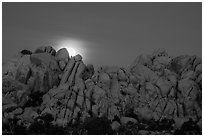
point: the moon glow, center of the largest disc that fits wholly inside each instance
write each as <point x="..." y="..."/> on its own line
<point x="72" y="52"/>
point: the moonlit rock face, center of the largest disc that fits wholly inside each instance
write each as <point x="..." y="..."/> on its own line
<point x="141" y="95"/>
<point x="62" y="54"/>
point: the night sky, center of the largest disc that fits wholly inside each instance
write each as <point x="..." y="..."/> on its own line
<point x="103" y="33"/>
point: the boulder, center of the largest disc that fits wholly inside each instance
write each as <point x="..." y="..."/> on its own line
<point x="104" y="81"/>
<point x="67" y="71"/>
<point x="164" y="86"/>
<point x="126" y="120"/>
<point x="188" y="74"/>
<point x="144" y="113"/>
<point x="163" y="60"/>
<point x="28" y="115"/>
<point x="122" y="76"/>
<point x="78" y="57"/>
<point x="180" y="63"/>
<point x="143" y="60"/>
<point x="130" y="90"/>
<point x="143" y="73"/>
<point x="89" y="71"/>
<point x="62" y="54"/>
<point x="115" y="126"/>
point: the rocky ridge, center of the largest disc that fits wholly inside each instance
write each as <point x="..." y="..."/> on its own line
<point x="155" y="88"/>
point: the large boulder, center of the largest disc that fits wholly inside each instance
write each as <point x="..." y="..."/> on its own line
<point x="62" y="54"/>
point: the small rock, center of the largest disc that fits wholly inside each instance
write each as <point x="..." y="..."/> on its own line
<point x="18" y="111"/>
<point x="115" y="125"/>
<point x="143" y="132"/>
<point x="78" y="57"/>
<point x="179" y="122"/>
<point x="121" y="75"/>
<point x="125" y="120"/>
<point x="28" y="115"/>
<point x="10" y="115"/>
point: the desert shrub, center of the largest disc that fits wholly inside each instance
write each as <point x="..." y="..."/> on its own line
<point x="26" y="52"/>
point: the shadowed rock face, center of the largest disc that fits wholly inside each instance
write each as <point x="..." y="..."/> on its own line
<point x="154" y="89"/>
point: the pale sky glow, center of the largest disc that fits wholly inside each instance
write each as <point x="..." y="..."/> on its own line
<point x="71" y="51"/>
<point x="73" y="46"/>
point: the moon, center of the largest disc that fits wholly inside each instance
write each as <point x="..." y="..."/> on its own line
<point x="72" y="51"/>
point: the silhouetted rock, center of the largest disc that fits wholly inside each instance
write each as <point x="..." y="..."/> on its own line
<point x="26" y="52"/>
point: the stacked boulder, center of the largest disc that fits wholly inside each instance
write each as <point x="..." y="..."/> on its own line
<point x="25" y="75"/>
<point x="66" y="102"/>
<point x="169" y="87"/>
<point x="155" y="87"/>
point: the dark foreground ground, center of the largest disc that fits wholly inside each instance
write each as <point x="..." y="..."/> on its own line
<point x="101" y="126"/>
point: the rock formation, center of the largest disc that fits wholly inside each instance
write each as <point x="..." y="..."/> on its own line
<point x="154" y="89"/>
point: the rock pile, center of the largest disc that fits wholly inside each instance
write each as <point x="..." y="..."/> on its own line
<point x="169" y="87"/>
<point x="155" y="87"/>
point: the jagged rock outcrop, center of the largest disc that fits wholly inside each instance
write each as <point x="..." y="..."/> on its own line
<point x="66" y="102"/>
<point x="169" y="91"/>
<point x="26" y="75"/>
<point x="156" y="87"/>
